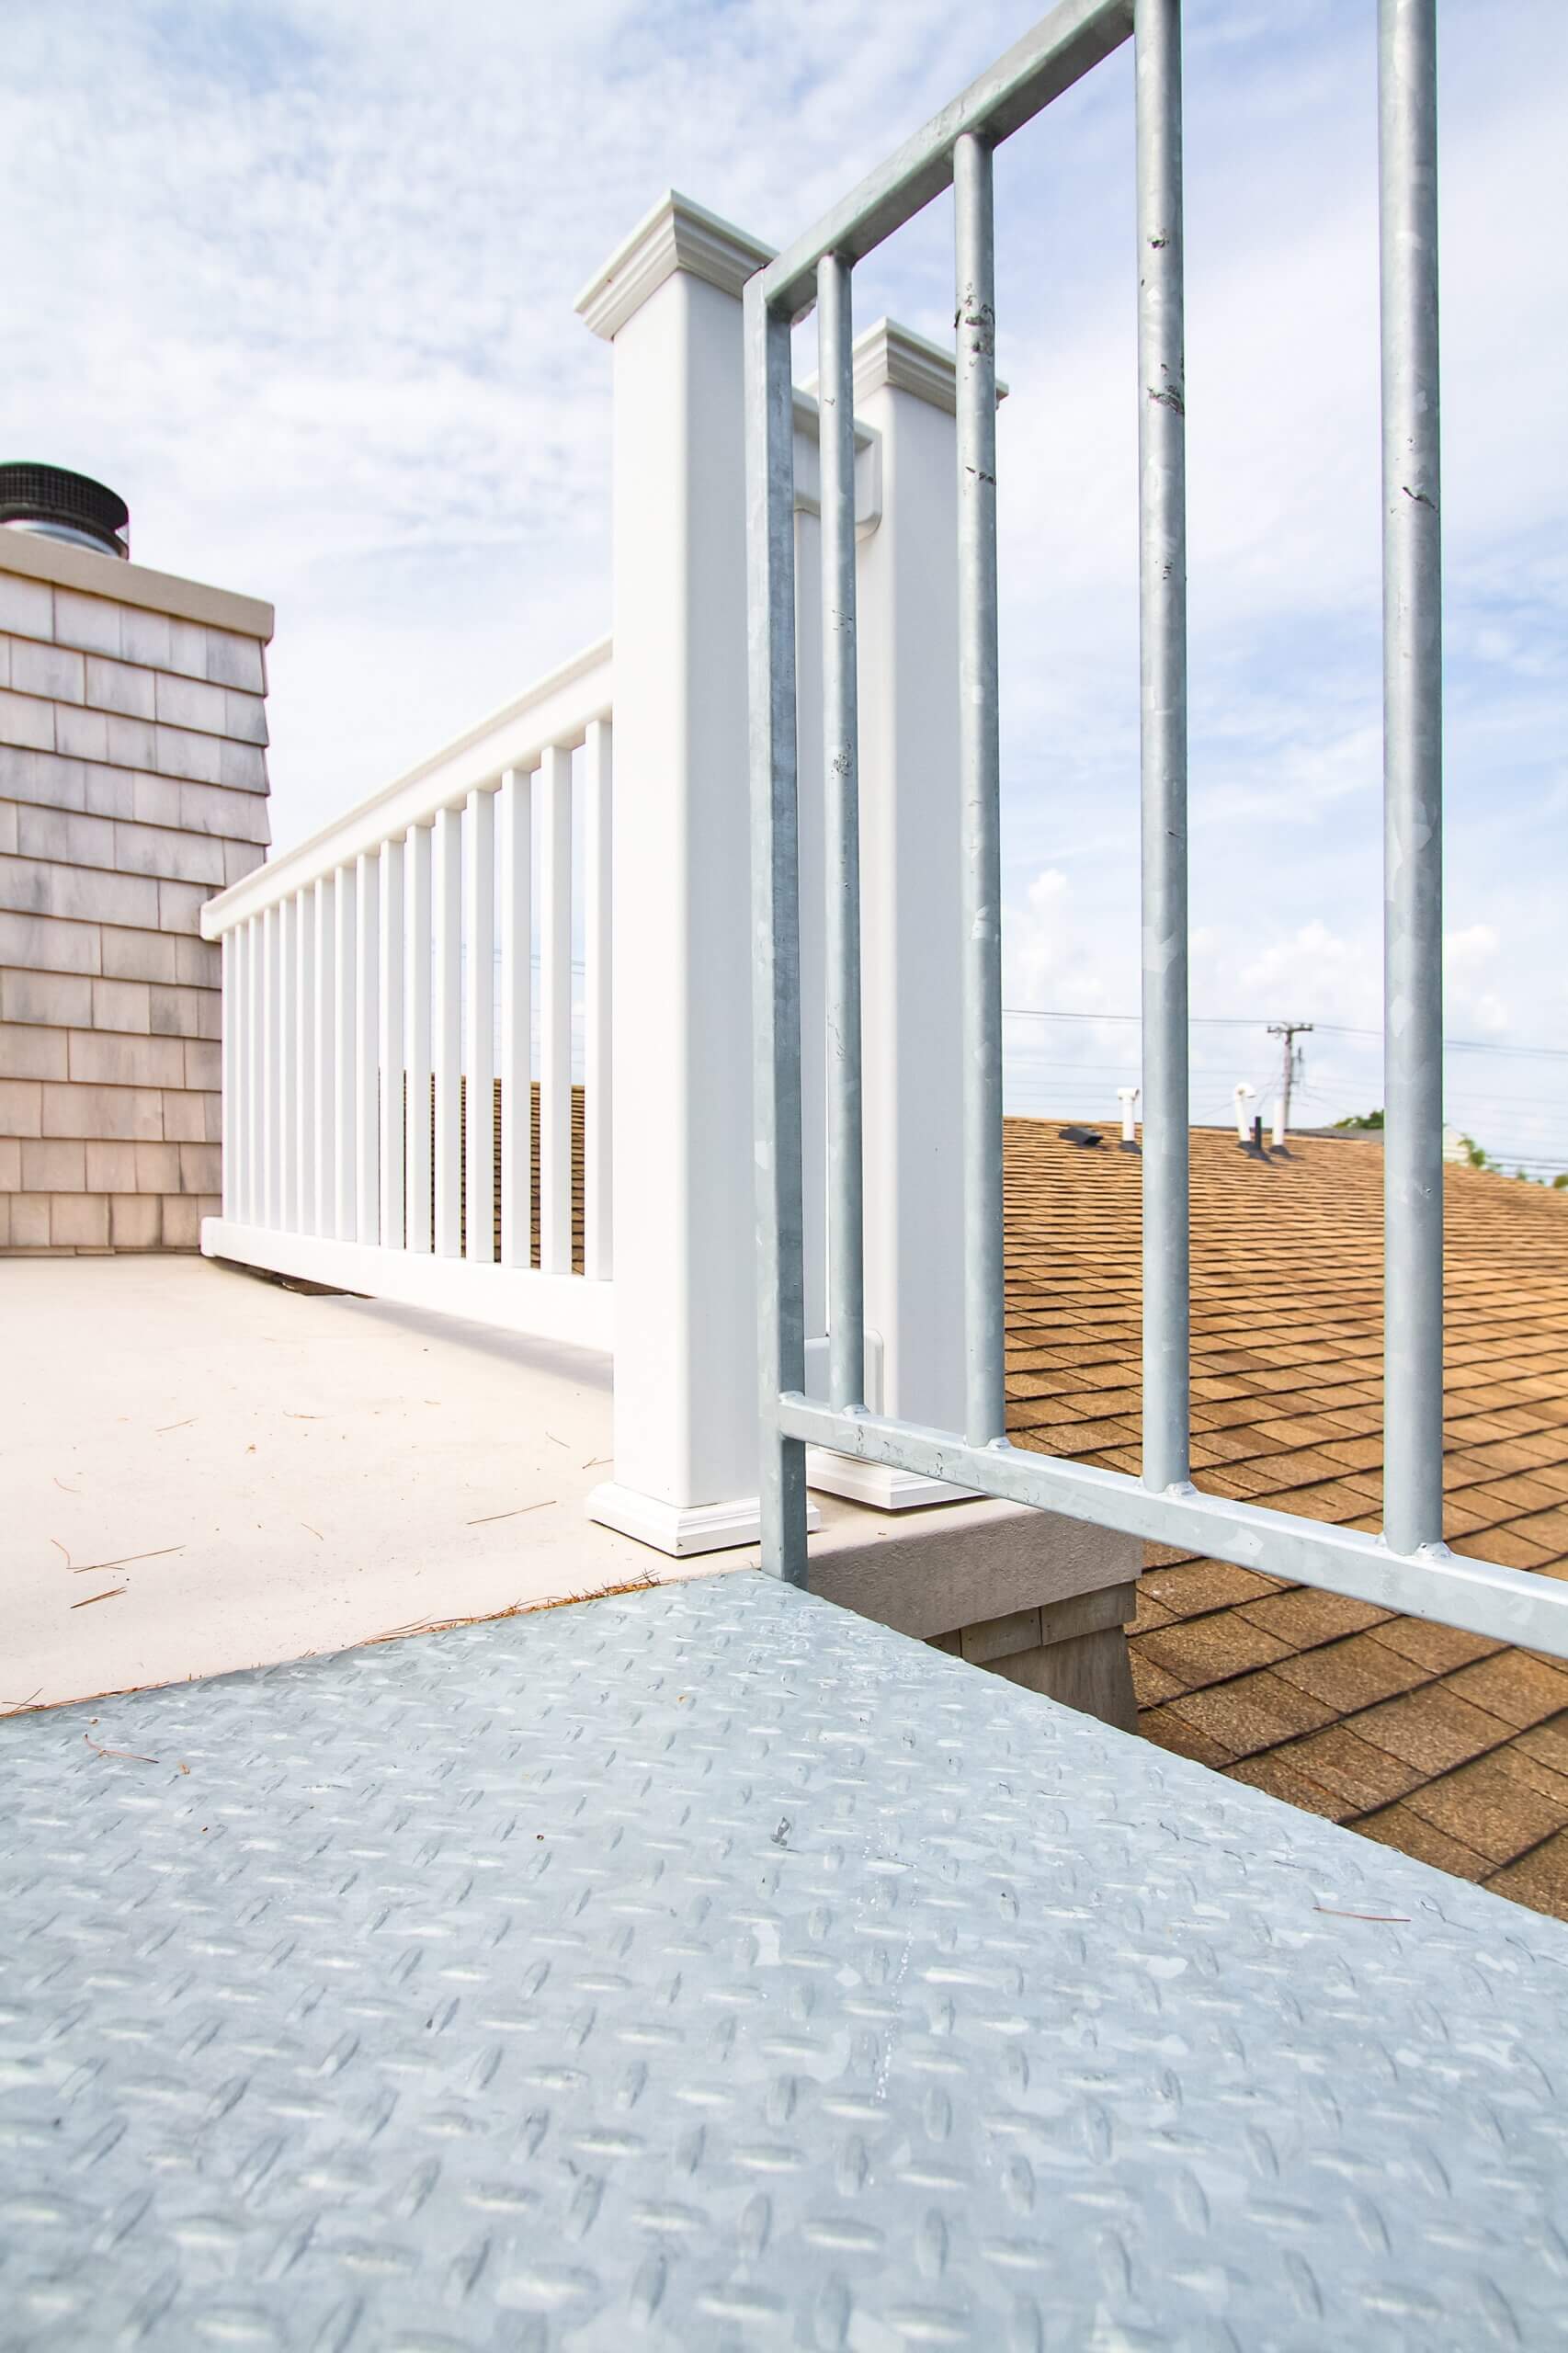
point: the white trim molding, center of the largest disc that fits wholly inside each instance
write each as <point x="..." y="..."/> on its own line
<point x="681" y="1529"/>
<point x="895" y="356"/>
<point x="677" y="235"/>
<point x="511" y="1299"/>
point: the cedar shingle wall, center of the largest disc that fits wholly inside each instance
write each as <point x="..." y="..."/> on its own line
<point x="132" y="786"/>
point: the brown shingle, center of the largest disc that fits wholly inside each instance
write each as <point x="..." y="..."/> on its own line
<point x="1438" y="1648"/>
<point x="1254" y="1712"/>
<point x="1308" y="1615"/>
<point x="1167" y="1729"/>
<point x="1515" y="1685"/>
<point x="1488" y="1808"/>
<point x="1397" y="1826"/>
<point x="1287" y="1412"/>
<point x="1431" y="1729"/>
<point x="1200" y="1585"/>
<point x="1356" y="1673"/>
<point x="1548" y="1742"/>
<point x="1150" y="1684"/>
<point x="1356" y="1771"/>
<point x="1539" y="1878"/>
<point x="1205" y="1650"/>
<point x="1277" y="1772"/>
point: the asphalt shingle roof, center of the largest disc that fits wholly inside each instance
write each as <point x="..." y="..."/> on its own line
<point x="1451" y="1748"/>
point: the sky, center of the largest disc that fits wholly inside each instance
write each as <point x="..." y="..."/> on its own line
<point x="297" y="279"/>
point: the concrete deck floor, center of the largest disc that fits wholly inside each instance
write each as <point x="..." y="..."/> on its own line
<point x="249" y="1475"/>
<point x="203" y="1472"/>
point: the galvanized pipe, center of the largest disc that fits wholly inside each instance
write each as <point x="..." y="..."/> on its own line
<point x="775" y="928"/>
<point x="1050" y="58"/>
<point x="841" y="801"/>
<point x="1412" y="778"/>
<point x="1161" y="539"/>
<point x="1505" y="1605"/>
<point x="979" y="763"/>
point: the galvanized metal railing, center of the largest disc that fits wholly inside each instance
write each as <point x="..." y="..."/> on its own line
<point x="1408" y="1567"/>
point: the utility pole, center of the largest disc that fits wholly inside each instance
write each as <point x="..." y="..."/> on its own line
<point x="1290" y="1069"/>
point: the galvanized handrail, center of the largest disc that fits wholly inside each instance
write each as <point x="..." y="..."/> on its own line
<point x="1408" y="1567"/>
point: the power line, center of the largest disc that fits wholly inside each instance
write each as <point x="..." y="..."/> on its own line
<point x="1324" y="1028"/>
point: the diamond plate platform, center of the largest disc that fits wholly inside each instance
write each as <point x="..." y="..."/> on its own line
<point x="709" y="1968"/>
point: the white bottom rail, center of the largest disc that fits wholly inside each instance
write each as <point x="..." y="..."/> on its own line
<point x="569" y="1308"/>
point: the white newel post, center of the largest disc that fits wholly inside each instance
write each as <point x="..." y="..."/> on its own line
<point x="909" y="820"/>
<point x="685" y="1473"/>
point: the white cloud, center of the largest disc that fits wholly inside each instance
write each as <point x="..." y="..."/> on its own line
<point x="297" y="276"/>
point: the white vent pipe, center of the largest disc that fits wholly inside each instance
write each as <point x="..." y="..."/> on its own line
<point x="1244" y="1094"/>
<point x="1128" y="1097"/>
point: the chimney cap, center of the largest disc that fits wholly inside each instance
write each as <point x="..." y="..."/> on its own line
<point x="64" y="505"/>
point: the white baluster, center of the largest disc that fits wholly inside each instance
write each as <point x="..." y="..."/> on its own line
<point x="448" y="1031"/>
<point x="598" y="998"/>
<point x="304" y="1059"/>
<point x="517" y="1018"/>
<point x="240" y="1017"/>
<point x="229" y="1101"/>
<point x="479" y="896"/>
<point x="271" y="1189"/>
<point x="325" y="1221"/>
<point x="419" y="1180"/>
<point x="555" y="1012"/>
<point x="344" y="1220"/>
<point x="368" y="1205"/>
<point x="394" y="1083"/>
<point x="287" y="1200"/>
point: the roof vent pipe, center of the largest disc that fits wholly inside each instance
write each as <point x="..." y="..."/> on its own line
<point x="1280" y="1124"/>
<point x="1128" y="1098"/>
<point x="1242" y="1095"/>
<point x="58" y="504"/>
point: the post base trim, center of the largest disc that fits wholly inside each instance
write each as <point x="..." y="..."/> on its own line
<point x="680" y="1529"/>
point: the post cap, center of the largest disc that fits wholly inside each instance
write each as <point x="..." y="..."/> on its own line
<point x="677" y="235"/>
<point x="889" y="355"/>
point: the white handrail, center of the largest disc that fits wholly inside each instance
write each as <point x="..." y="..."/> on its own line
<point x="557" y="710"/>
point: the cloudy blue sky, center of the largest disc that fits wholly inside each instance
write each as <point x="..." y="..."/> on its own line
<point x="297" y="277"/>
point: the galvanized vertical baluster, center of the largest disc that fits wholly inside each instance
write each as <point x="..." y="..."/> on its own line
<point x="1412" y="778"/>
<point x="775" y="928"/>
<point x="980" y="780"/>
<point x="846" y="1237"/>
<point x="1161" y="499"/>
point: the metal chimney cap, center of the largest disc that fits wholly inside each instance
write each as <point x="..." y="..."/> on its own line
<point x="59" y="504"/>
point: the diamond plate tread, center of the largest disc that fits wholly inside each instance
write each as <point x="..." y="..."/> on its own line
<point x="710" y="1968"/>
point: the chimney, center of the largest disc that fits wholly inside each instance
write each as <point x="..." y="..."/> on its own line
<point x="58" y="505"/>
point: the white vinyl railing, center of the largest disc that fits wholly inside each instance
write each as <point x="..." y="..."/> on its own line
<point x="389" y="1127"/>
